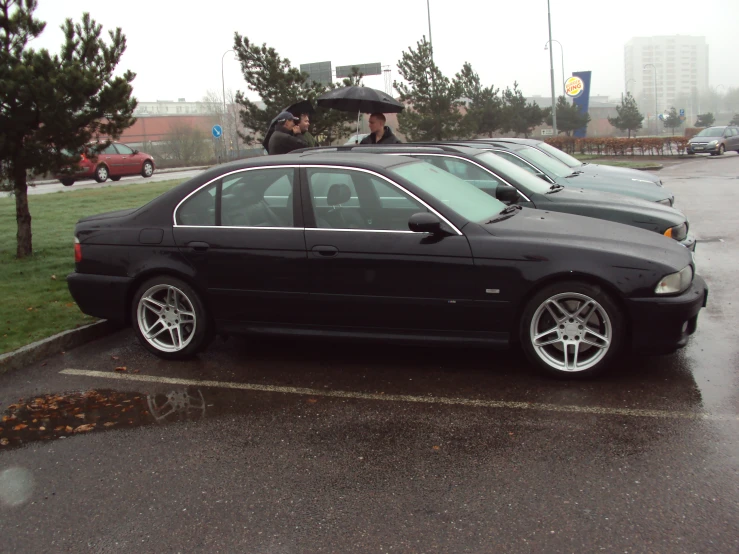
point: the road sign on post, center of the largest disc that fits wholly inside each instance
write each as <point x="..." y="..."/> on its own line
<point x="682" y="112"/>
<point x="217" y="131"/>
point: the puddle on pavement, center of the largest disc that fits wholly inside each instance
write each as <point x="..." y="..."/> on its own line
<point x="56" y="416"/>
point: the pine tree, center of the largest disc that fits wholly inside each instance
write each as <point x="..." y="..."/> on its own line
<point x="734" y="120"/>
<point x="520" y="117"/>
<point x="569" y="117"/>
<point x="705" y="120"/>
<point x="52" y="105"/>
<point x="279" y="84"/>
<point x="433" y="101"/>
<point x="629" y="117"/>
<point x="672" y="121"/>
<point x="485" y="109"/>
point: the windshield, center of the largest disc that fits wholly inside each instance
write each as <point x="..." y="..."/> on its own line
<point x="462" y="197"/>
<point x="518" y="175"/>
<point x="550" y="166"/>
<point x="563" y="157"/>
<point x="711" y="132"/>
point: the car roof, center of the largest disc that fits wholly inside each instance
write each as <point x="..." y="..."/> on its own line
<point x="514" y="140"/>
<point x="429" y="148"/>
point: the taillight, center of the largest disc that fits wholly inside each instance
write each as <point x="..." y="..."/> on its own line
<point x="77" y="251"/>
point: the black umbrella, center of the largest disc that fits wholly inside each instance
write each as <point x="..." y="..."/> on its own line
<point x="300" y="107"/>
<point x="360" y="100"/>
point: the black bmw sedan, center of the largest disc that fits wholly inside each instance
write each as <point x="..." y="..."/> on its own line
<point x="381" y="247"/>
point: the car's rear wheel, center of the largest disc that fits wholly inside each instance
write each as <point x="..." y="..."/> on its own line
<point x="67" y="182"/>
<point x="169" y="318"/>
<point x="101" y="173"/>
<point x="116" y="178"/>
<point x="572" y="329"/>
<point x="148" y="169"/>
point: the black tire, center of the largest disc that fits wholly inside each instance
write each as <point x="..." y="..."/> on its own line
<point x="67" y="182"/>
<point x="721" y="150"/>
<point x="164" y="323"/>
<point x="101" y="173"/>
<point x="595" y="359"/>
<point x="116" y="178"/>
<point x="147" y="170"/>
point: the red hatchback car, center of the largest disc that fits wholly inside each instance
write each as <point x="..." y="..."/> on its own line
<point x="114" y="162"/>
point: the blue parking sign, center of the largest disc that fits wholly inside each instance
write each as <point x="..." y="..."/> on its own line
<point x="682" y="112"/>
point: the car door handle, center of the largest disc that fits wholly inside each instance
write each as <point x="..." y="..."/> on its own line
<point x="325" y="251"/>
<point x="198" y="246"/>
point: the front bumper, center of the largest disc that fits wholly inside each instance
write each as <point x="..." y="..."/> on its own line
<point x="702" y="149"/>
<point x="661" y="325"/>
<point x="689" y="242"/>
<point x="101" y="296"/>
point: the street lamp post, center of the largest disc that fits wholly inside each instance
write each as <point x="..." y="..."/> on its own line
<point x="562" y="50"/>
<point x="627" y="88"/>
<point x="223" y="85"/>
<point x="655" y="94"/>
<point x="551" y="71"/>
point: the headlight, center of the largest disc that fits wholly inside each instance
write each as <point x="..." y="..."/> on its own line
<point x="676" y="282"/>
<point x="666" y="201"/>
<point x="679" y="232"/>
<point x="713" y="143"/>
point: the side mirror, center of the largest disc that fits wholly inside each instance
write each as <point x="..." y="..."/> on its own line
<point x="424" y="222"/>
<point x="506" y="194"/>
<point x="135" y="151"/>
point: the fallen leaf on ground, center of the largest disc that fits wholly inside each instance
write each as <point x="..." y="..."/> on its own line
<point x="60" y="428"/>
<point x="109" y="423"/>
<point x="122" y="368"/>
<point x="85" y="428"/>
<point x="9" y="418"/>
<point x="136" y="371"/>
<point x="42" y="428"/>
<point x="53" y="277"/>
<point x="437" y="448"/>
<point x="115" y="357"/>
<point x="312" y="400"/>
<point x="68" y="429"/>
<point x="81" y="416"/>
<point x="20" y="427"/>
<point x="4" y="442"/>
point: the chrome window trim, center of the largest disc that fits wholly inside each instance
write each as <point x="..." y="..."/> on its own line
<point x="392" y="183"/>
<point x="364" y="230"/>
<point x="485" y="169"/>
<point x="512" y="153"/>
<point x="242" y="170"/>
<point x="293" y="166"/>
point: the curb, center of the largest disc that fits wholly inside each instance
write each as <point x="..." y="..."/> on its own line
<point x="44" y="348"/>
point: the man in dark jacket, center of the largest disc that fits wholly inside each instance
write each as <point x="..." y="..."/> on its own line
<point x="286" y="136"/>
<point x="379" y="132"/>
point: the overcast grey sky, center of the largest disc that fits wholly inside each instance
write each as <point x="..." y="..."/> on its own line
<point x="176" y="48"/>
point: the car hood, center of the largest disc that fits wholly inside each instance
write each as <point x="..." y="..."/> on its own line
<point x="616" y="185"/>
<point x="635" y="175"/>
<point x="587" y="234"/>
<point x="703" y="139"/>
<point x="614" y="207"/>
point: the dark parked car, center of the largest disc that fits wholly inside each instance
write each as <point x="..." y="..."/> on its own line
<point x="115" y="161"/>
<point x="553" y="171"/>
<point x="499" y="178"/>
<point x="715" y="140"/>
<point x="576" y="165"/>
<point x="380" y="247"/>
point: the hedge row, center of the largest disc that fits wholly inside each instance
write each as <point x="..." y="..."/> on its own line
<point x="605" y="146"/>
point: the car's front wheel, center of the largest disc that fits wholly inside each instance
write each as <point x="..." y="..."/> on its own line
<point x="115" y="178"/>
<point x="67" y="182"/>
<point x="721" y="150"/>
<point x="169" y="318"/>
<point x="147" y="169"/>
<point x="572" y="329"/>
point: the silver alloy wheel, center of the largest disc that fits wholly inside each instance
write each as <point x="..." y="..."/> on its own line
<point x="102" y="173"/>
<point x="166" y="318"/>
<point x="571" y="332"/>
<point x="148" y="169"/>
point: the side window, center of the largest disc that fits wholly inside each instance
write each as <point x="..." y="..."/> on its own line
<point x="123" y="149"/>
<point x="258" y="198"/>
<point x="200" y="208"/>
<point x="347" y="199"/>
<point x="516" y="160"/>
<point x="467" y="171"/>
<point x="108" y="151"/>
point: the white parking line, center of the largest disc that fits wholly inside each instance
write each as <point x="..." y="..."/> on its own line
<point x="632" y="412"/>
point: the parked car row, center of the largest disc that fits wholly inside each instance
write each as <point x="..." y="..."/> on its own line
<point x="101" y="162"/>
<point x="434" y="243"/>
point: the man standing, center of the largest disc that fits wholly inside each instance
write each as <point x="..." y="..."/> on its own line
<point x="380" y="133"/>
<point x="286" y="136"/>
<point x="304" y="126"/>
